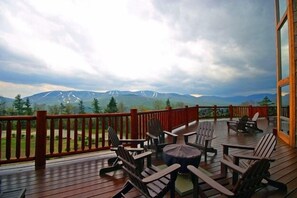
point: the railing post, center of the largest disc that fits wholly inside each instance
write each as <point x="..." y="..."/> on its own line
<point x="40" y="147"/>
<point x="134" y="124"/>
<point x="187" y="116"/>
<point x="197" y="110"/>
<point x="215" y="112"/>
<point x="169" y="121"/>
<point x="231" y="111"/>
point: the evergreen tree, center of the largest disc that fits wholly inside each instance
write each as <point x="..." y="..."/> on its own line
<point x="62" y="108"/>
<point x="266" y="101"/>
<point x="168" y="103"/>
<point x="96" y="107"/>
<point x="112" y="106"/>
<point x="18" y="104"/>
<point x="2" y="107"/>
<point x="81" y="107"/>
<point x="28" y="108"/>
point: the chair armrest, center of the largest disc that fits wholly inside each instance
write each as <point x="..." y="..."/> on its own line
<point x="187" y="135"/>
<point x="171" y="134"/>
<point x="138" y="141"/>
<point x="211" y="182"/>
<point x="190" y="133"/>
<point x="134" y="141"/>
<point x="211" y="138"/>
<point x="249" y="157"/>
<point x="238" y="146"/>
<point x="142" y="155"/>
<point x="161" y="173"/>
<point x="233" y="166"/>
<point x="151" y="136"/>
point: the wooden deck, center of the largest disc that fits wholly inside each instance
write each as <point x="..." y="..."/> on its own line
<point x="78" y="176"/>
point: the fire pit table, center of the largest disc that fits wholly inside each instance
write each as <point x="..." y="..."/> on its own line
<point x="181" y="154"/>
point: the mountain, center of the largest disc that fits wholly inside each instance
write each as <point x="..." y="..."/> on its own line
<point x="134" y="99"/>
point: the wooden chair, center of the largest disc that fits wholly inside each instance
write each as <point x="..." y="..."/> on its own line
<point x="115" y="143"/>
<point x="263" y="149"/>
<point x="148" y="180"/>
<point x="156" y="136"/>
<point x="245" y="187"/>
<point x="204" y="136"/>
<point x="244" y="124"/>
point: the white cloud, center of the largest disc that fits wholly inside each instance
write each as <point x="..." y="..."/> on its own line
<point x="136" y="44"/>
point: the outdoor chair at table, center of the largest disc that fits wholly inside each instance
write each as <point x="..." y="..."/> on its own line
<point x="156" y="136"/>
<point x="245" y="187"/>
<point x="148" y="179"/>
<point x="115" y="143"/>
<point x="204" y="135"/>
<point x="263" y="149"/>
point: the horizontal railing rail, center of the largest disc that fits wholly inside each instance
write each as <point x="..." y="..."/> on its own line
<point x="40" y="137"/>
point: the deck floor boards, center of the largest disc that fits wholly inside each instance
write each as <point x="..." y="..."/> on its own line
<point x="69" y="177"/>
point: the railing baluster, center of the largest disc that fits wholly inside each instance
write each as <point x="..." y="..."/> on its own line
<point x="52" y="136"/>
<point x="60" y="144"/>
<point x="75" y="133"/>
<point x="68" y="135"/>
<point x="97" y="133"/>
<point x="18" y="140"/>
<point x="83" y="124"/>
<point x="90" y="133"/>
<point x="8" y="140"/>
<point x="28" y="138"/>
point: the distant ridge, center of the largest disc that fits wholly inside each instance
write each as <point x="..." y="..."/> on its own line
<point x="134" y="99"/>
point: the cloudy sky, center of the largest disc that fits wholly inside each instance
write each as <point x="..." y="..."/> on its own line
<point x="203" y="47"/>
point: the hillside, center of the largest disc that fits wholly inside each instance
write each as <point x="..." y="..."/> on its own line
<point x="135" y="99"/>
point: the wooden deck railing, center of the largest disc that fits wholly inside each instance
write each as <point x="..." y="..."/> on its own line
<point x="25" y="138"/>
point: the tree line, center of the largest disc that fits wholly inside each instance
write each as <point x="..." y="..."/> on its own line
<point x="22" y="106"/>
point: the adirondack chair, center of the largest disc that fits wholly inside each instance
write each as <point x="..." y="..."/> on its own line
<point x="245" y="187"/>
<point x="263" y="149"/>
<point x="148" y="180"/>
<point x="156" y="136"/>
<point x="204" y="136"/>
<point x="244" y="124"/>
<point x="115" y="143"/>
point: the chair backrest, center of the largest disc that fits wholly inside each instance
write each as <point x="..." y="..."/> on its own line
<point x="255" y="117"/>
<point x="251" y="179"/>
<point x="265" y="146"/>
<point x="242" y="122"/>
<point x="113" y="137"/>
<point x="204" y="131"/>
<point x="155" y="128"/>
<point x="132" y="169"/>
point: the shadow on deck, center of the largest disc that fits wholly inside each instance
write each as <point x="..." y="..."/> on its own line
<point x="78" y="176"/>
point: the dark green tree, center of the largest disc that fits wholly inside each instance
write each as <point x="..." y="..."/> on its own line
<point x="62" y="108"/>
<point x="168" y="103"/>
<point x="112" y="106"/>
<point x="96" y="107"/>
<point x="266" y="101"/>
<point x="18" y="105"/>
<point x="2" y="107"/>
<point x="81" y="107"/>
<point x="28" y="108"/>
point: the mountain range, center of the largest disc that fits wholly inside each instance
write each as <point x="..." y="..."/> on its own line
<point x="134" y="99"/>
